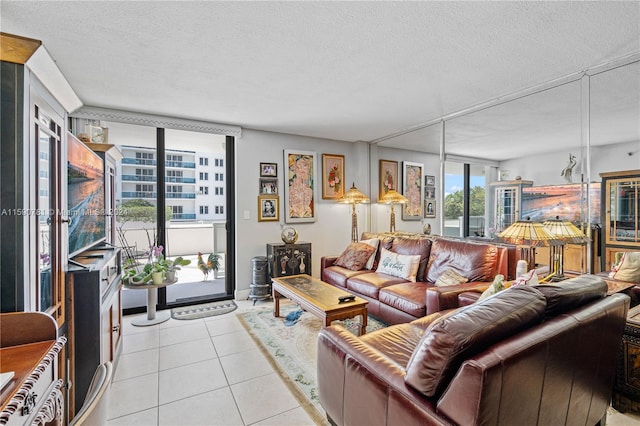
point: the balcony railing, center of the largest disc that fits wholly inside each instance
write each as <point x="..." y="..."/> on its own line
<point x="139" y="194"/>
<point x="146" y="178"/>
<point x="180" y="195"/>
<point x="184" y="216"/>
<point x="148" y="162"/>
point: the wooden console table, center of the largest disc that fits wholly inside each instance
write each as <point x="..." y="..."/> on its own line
<point x="29" y="348"/>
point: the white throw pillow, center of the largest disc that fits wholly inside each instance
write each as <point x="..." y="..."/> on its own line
<point x="399" y="265"/>
<point x="627" y="267"/>
<point x="373" y="243"/>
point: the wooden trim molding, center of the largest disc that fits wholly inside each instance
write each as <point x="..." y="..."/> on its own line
<point x="17" y="49"/>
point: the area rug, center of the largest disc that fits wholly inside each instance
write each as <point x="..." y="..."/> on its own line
<point x="292" y="350"/>
<point x="204" y="310"/>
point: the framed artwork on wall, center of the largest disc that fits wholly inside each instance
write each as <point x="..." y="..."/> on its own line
<point x="332" y="176"/>
<point x="268" y="208"/>
<point x="300" y="186"/>
<point x="268" y="186"/>
<point x="388" y="177"/>
<point x="412" y="189"/>
<point x="430" y="208"/>
<point x="268" y="170"/>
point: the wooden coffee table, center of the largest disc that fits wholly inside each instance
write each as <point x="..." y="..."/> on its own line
<point x="318" y="298"/>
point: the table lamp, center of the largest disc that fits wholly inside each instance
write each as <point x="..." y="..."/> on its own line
<point x="353" y="196"/>
<point x="568" y="233"/>
<point x="393" y="197"/>
<point x="527" y="236"/>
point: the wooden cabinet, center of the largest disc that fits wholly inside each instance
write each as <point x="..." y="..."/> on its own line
<point x="289" y="259"/>
<point x="95" y="316"/>
<point x="626" y="388"/>
<point x="620" y="214"/>
<point x="507" y="202"/>
<point x="29" y="350"/>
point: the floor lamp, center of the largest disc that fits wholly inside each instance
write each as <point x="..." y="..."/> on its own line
<point x="568" y="233"/>
<point x="393" y="197"/>
<point x="353" y="196"/>
<point x="527" y="235"/>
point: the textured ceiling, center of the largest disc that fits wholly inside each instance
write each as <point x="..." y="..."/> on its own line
<point x="338" y="70"/>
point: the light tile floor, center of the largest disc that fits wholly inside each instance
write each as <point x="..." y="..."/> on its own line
<point x="199" y="372"/>
<point x="208" y="372"/>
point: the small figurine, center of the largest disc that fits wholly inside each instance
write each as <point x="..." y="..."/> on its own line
<point x="567" y="171"/>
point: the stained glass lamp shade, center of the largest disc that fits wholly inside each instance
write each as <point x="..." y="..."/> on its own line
<point x="393" y="197"/>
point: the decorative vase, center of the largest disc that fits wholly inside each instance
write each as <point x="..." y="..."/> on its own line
<point x="171" y="276"/>
<point x="157" y="277"/>
<point x="289" y="235"/>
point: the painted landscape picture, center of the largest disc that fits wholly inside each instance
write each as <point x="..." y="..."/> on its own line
<point x="540" y="203"/>
<point x="85" y="175"/>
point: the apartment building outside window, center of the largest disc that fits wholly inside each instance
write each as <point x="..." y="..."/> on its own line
<point x="204" y="209"/>
<point x="219" y="190"/>
<point x="204" y="176"/>
<point x="205" y="161"/>
<point x="219" y="162"/>
<point x="204" y="190"/>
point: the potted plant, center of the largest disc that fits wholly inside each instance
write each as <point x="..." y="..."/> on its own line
<point x="154" y="270"/>
<point x="174" y="266"/>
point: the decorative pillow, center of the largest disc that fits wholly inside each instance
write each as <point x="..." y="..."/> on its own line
<point x="373" y="242"/>
<point x="355" y="256"/>
<point x="469" y="331"/>
<point x="627" y="267"/>
<point x="450" y="277"/>
<point x="399" y="265"/>
<point x="498" y="285"/>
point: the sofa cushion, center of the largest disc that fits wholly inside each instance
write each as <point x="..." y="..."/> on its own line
<point x="413" y="246"/>
<point x="572" y="293"/>
<point x="407" y="297"/>
<point x="468" y="332"/>
<point x="370" y="283"/>
<point x="338" y="276"/>
<point x="477" y="262"/>
<point x="399" y="265"/>
<point x="355" y="256"/>
<point x="450" y="277"/>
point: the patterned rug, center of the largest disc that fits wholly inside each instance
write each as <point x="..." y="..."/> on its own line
<point x="204" y="310"/>
<point x="292" y="350"/>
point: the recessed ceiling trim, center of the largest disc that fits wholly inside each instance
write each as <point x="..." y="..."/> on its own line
<point x="532" y="90"/>
<point x="106" y="114"/>
<point x="470" y="160"/>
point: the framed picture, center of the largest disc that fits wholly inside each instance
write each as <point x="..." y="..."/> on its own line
<point x="268" y="169"/>
<point x="300" y="186"/>
<point x="429" y="192"/>
<point x="332" y="176"/>
<point x="429" y="180"/>
<point x="412" y="189"/>
<point x="430" y="208"/>
<point x="388" y="176"/>
<point x="268" y="208"/>
<point x="268" y="186"/>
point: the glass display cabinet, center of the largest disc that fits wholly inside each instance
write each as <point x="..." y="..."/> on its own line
<point x="621" y="223"/>
<point x="507" y="202"/>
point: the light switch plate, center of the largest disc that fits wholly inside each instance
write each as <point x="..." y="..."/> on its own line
<point x="247" y="216"/>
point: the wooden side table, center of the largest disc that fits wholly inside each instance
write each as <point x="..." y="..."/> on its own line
<point x="626" y="389"/>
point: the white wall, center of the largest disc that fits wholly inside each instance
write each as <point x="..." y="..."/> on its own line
<point x="544" y="169"/>
<point x="331" y="232"/>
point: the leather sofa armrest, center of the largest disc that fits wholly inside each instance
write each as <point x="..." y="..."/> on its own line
<point x="326" y="261"/>
<point x="342" y="357"/>
<point x="446" y="297"/>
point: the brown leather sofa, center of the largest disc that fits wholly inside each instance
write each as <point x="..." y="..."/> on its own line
<point x="541" y="355"/>
<point x="395" y="300"/>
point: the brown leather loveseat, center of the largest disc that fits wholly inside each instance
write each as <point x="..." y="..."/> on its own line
<point x="540" y="355"/>
<point x="396" y="300"/>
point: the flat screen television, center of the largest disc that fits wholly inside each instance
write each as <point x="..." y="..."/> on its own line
<point x="86" y="187"/>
